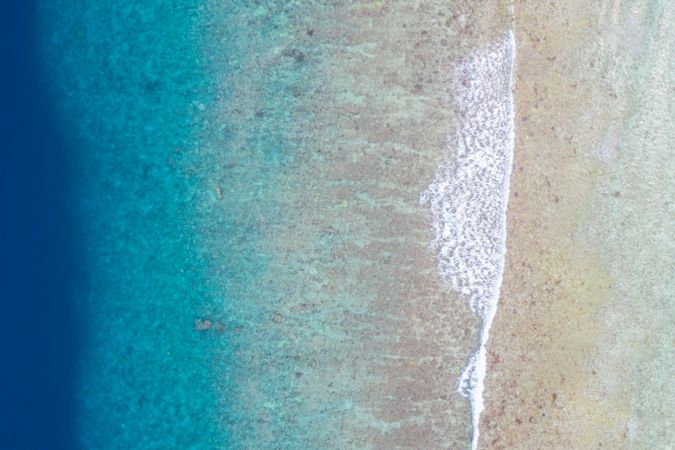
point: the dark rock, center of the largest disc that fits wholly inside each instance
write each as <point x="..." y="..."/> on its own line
<point x="294" y="53"/>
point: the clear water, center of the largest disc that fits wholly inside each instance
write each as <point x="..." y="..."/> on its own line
<point x="130" y="79"/>
<point x="182" y="134"/>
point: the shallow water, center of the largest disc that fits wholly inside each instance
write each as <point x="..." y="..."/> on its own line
<point x="633" y="225"/>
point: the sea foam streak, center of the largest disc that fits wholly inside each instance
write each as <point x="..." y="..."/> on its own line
<point x="469" y="194"/>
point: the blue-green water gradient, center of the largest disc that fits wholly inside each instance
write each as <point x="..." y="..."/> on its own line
<point x="131" y="83"/>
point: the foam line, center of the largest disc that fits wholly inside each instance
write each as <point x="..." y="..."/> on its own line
<point x="469" y="194"/>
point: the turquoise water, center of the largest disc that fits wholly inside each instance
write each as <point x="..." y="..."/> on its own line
<point x="127" y="82"/>
<point x="132" y="82"/>
<point x="180" y="131"/>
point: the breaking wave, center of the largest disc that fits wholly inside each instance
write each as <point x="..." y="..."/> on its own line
<point x="469" y="194"/>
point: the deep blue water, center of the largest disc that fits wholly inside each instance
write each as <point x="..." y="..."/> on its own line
<point x="38" y="332"/>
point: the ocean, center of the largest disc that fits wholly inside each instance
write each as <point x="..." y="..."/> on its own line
<point x="292" y="225"/>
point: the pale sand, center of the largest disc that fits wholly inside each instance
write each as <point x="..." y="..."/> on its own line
<point x="543" y="391"/>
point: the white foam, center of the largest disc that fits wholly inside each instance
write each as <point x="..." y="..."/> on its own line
<point x="469" y="194"/>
